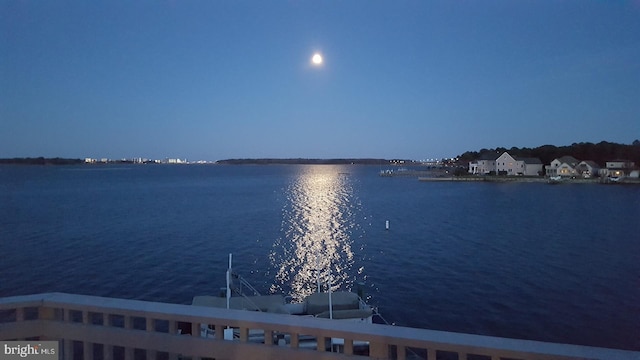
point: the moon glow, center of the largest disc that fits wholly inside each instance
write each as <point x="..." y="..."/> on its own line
<point x="316" y="59"/>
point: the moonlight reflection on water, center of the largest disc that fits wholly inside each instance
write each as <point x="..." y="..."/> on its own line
<point x="318" y="219"/>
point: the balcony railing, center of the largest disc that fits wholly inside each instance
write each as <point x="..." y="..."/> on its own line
<point x="90" y="327"/>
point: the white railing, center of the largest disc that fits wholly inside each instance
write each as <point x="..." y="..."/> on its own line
<point x="96" y="327"/>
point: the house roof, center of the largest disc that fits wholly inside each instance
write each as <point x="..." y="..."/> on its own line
<point x="591" y="163"/>
<point x="489" y="156"/>
<point x="569" y="160"/>
<point x="506" y="153"/>
<point x="530" y="160"/>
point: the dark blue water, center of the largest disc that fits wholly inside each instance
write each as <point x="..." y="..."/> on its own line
<point x="524" y="260"/>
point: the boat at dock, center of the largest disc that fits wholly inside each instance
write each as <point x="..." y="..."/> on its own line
<point x="239" y="294"/>
<point x="556" y="180"/>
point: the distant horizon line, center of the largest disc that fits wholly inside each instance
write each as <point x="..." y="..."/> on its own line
<point x="298" y="158"/>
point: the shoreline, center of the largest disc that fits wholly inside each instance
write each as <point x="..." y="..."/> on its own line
<point x="482" y="179"/>
<point x="522" y="179"/>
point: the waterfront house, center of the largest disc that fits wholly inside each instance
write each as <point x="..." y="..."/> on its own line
<point x="510" y="165"/>
<point x="505" y="164"/>
<point x="530" y="166"/>
<point x="618" y="168"/>
<point x="587" y="168"/>
<point x="564" y="166"/>
<point x="484" y="165"/>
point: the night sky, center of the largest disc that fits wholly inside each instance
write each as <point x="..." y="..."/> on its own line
<point x="209" y="80"/>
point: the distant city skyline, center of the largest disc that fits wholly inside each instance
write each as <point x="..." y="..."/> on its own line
<point x="403" y="80"/>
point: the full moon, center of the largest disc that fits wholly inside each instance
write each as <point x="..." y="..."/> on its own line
<point x="316" y="59"/>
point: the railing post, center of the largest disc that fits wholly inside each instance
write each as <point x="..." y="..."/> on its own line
<point x="87" y="347"/>
<point x="128" y="353"/>
<point x="46" y="313"/>
<point x="128" y="324"/>
<point x="19" y="314"/>
<point x="67" y="348"/>
<point x="268" y="337"/>
<point x="219" y="332"/>
<point x="151" y="354"/>
<point x="87" y="350"/>
<point x="150" y="326"/>
<point x="294" y="340"/>
<point x="244" y="334"/>
<point x="107" y="350"/>
<point x="378" y="350"/>
<point x="348" y="346"/>
<point x="321" y="343"/>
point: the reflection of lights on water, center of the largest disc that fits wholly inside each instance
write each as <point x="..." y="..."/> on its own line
<point x="317" y="220"/>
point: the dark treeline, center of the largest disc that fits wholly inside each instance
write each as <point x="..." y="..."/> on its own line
<point x="600" y="152"/>
<point x="308" y="161"/>
<point x="41" y="161"/>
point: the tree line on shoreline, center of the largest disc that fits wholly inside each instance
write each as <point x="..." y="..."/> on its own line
<point x="600" y="153"/>
<point x="41" y="161"/>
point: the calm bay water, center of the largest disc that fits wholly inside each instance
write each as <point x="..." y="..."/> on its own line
<point x="524" y="260"/>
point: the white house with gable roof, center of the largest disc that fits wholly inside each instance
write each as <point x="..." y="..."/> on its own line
<point x="530" y="166"/>
<point x="506" y="164"/>
<point x="588" y="168"/>
<point x="484" y="165"/>
<point x="563" y="166"/>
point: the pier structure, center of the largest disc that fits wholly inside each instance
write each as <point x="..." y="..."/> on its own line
<point x="90" y="327"/>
